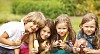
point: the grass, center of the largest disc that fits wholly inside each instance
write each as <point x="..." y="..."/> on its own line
<point x="5" y="12"/>
<point x="75" y="23"/>
<point x="5" y="6"/>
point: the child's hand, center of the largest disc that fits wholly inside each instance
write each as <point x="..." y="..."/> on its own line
<point x="82" y="41"/>
<point x="17" y="43"/>
<point x="54" y="43"/>
<point x="47" y="47"/>
<point x="87" y="50"/>
<point x="63" y="45"/>
<point x="76" y="49"/>
<point x="58" y="43"/>
<point x="34" y="51"/>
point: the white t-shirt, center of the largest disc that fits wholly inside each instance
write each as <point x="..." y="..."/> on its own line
<point x="15" y="31"/>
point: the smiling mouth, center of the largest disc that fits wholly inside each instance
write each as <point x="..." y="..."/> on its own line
<point x="89" y="32"/>
<point x="33" y="30"/>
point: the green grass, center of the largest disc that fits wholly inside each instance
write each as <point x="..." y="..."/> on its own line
<point x="75" y="23"/>
<point x="5" y="12"/>
<point x="5" y="6"/>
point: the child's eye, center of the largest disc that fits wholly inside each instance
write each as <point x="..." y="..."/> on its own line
<point x="64" y="28"/>
<point x="44" y="31"/>
<point x="48" y="32"/>
<point x="86" y="26"/>
<point x="92" y="27"/>
<point x="37" y="26"/>
<point x="35" y="23"/>
<point x="59" y="28"/>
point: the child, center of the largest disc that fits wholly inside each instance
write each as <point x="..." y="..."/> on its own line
<point x="44" y="38"/>
<point x="89" y="31"/>
<point x="94" y="51"/>
<point x="11" y="32"/>
<point x="65" y="36"/>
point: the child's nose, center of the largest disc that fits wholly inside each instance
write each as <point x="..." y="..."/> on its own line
<point x="46" y="33"/>
<point x="62" y="30"/>
<point x="89" y="28"/>
<point x="35" y="27"/>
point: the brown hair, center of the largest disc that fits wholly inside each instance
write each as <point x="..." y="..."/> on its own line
<point x="64" y="18"/>
<point x="88" y="17"/>
<point x="36" y="17"/>
<point x="50" y="24"/>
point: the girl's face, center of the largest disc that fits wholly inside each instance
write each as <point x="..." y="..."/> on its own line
<point x="31" y="26"/>
<point x="89" y="27"/>
<point x="45" y="33"/>
<point x="62" y="29"/>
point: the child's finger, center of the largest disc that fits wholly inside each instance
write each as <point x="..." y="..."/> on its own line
<point x="34" y="50"/>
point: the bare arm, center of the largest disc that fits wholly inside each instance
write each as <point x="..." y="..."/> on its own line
<point x="75" y="46"/>
<point x="3" y="39"/>
<point x="88" y="50"/>
<point x="17" y="51"/>
<point x="30" y="43"/>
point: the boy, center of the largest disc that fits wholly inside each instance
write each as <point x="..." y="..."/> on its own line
<point x="11" y="32"/>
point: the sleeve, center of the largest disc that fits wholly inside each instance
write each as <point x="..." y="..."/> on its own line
<point x="68" y="49"/>
<point x="53" y="49"/>
<point x="9" y="28"/>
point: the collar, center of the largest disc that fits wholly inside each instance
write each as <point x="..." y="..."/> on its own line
<point x="89" y="37"/>
<point x="65" y="37"/>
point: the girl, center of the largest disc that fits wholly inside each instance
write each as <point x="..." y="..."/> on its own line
<point x="11" y="32"/>
<point x="89" y="32"/>
<point x="43" y="35"/>
<point x="94" y="51"/>
<point x="65" y="36"/>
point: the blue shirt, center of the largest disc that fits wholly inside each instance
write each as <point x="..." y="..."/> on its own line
<point x="88" y="38"/>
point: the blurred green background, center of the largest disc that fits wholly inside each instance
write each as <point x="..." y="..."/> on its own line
<point x="15" y="9"/>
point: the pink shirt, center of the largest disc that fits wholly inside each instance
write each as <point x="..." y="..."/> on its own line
<point x="24" y="48"/>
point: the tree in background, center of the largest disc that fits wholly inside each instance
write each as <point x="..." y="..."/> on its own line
<point x="53" y="8"/>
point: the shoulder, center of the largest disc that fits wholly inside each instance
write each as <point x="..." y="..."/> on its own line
<point x="11" y="26"/>
<point x="79" y="33"/>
